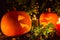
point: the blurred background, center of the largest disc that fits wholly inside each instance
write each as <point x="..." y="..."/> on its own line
<point x="33" y="7"/>
<point x="37" y="6"/>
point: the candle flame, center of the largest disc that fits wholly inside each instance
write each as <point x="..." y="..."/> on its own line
<point x="58" y="21"/>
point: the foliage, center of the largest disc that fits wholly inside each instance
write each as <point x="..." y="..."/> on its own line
<point x="48" y="30"/>
<point x="30" y="7"/>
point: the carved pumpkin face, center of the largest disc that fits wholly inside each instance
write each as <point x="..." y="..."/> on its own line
<point x="48" y="17"/>
<point x="15" y="23"/>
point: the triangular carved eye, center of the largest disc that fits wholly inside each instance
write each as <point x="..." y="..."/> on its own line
<point x="58" y="22"/>
<point x="24" y="25"/>
<point x="20" y="17"/>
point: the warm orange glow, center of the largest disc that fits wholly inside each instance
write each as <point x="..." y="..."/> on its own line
<point x="15" y="23"/>
<point x="58" y="27"/>
<point x="58" y="22"/>
<point x="24" y="25"/>
<point x="48" y="17"/>
<point x="20" y="17"/>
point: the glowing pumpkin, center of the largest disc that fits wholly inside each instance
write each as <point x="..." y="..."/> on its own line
<point x="48" y="17"/>
<point x="15" y="23"/>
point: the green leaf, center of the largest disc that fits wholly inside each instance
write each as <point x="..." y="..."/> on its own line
<point x="50" y="25"/>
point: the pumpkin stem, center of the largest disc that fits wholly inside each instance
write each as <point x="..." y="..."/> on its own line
<point x="8" y="10"/>
<point x="49" y="9"/>
<point x="14" y="8"/>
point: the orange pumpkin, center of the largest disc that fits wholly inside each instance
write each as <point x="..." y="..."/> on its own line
<point x="48" y="17"/>
<point x="15" y="23"/>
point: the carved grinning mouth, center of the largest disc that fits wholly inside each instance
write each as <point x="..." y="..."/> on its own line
<point x="47" y="19"/>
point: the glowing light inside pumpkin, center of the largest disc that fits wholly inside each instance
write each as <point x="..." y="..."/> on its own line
<point x="45" y="20"/>
<point x="24" y="25"/>
<point x="48" y="18"/>
<point x="20" y="17"/>
<point x="15" y="23"/>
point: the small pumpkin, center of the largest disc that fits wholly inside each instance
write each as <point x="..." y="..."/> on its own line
<point x="15" y="23"/>
<point x="48" y="17"/>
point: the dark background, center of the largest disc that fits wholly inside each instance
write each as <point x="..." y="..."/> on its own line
<point x="4" y="5"/>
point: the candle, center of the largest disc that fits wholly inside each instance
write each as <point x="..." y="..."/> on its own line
<point x="58" y="27"/>
<point x="35" y="20"/>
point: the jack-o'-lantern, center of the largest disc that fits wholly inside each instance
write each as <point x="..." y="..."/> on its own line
<point x="48" y="17"/>
<point x="15" y="23"/>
